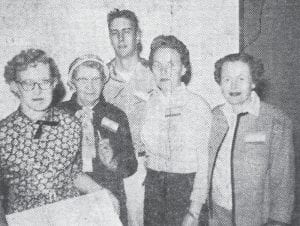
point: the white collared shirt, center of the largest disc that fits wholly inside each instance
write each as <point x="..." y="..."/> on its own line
<point x="222" y="191"/>
<point x="175" y="131"/>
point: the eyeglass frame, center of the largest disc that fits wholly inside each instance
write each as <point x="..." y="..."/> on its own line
<point x="94" y="79"/>
<point x="42" y="86"/>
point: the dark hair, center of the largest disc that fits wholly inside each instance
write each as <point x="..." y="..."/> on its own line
<point x="256" y="66"/>
<point x="29" y="58"/>
<point x="127" y="14"/>
<point x="172" y="42"/>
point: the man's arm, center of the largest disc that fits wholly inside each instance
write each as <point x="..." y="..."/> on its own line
<point x="282" y="173"/>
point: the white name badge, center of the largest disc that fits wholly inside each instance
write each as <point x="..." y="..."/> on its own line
<point x="257" y="137"/>
<point x="109" y="124"/>
<point x="141" y="95"/>
<point x="173" y="112"/>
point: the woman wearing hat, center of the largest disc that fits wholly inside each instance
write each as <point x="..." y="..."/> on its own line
<point x="107" y="150"/>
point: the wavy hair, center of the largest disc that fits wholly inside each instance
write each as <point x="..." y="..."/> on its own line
<point x="30" y="58"/>
<point x="170" y="41"/>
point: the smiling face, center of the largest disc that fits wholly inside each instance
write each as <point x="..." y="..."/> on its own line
<point x="34" y="87"/>
<point x="167" y="68"/>
<point x="123" y="37"/>
<point x="88" y="84"/>
<point x="236" y="82"/>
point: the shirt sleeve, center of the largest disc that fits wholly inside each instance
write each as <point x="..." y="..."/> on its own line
<point x="200" y="186"/>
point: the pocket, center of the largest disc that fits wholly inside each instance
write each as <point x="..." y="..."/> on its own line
<point x="256" y="153"/>
<point x="256" y="158"/>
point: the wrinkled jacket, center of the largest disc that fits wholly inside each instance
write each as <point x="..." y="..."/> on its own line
<point x="125" y="95"/>
<point x="263" y="165"/>
<point x="176" y="132"/>
<point x="120" y="142"/>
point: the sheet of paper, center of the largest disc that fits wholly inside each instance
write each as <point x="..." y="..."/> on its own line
<point x="94" y="209"/>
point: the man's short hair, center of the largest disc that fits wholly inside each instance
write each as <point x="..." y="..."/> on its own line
<point x="28" y="58"/>
<point x="170" y="41"/>
<point x="127" y="14"/>
<point x="256" y="66"/>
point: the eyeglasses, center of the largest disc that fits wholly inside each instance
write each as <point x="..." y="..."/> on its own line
<point x="28" y="85"/>
<point x="86" y="80"/>
<point x="170" y="67"/>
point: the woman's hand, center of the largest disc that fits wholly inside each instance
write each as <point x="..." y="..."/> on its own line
<point x="106" y="154"/>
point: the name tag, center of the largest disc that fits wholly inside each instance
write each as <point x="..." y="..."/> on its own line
<point x="173" y="112"/>
<point x="257" y="137"/>
<point x="141" y="95"/>
<point x="109" y="124"/>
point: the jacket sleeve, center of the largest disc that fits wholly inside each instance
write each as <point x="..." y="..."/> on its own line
<point x="200" y="186"/>
<point x="282" y="172"/>
<point x="125" y="156"/>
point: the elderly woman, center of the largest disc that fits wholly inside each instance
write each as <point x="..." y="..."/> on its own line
<point x="251" y="161"/>
<point x="40" y="156"/>
<point x="175" y="134"/>
<point x="107" y="150"/>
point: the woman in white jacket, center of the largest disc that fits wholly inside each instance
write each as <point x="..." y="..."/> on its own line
<point x="175" y="134"/>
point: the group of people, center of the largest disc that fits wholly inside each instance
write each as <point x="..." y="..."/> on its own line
<point x="133" y="128"/>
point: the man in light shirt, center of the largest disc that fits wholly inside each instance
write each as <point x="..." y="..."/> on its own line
<point x="251" y="156"/>
<point x="129" y="84"/>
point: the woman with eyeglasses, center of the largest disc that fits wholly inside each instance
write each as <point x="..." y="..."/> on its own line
<point x="107" y="149"/>
<point x="40" y="155"/>
<point x="175" y="134"/>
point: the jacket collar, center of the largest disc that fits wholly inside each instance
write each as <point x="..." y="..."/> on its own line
<point x="253" y="107"/>
<point x="114" y="75"/>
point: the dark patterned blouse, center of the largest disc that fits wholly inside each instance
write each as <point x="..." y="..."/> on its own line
<point x="38" y="160"/>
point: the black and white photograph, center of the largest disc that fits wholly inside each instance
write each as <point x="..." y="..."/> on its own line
<point x="150" y="113"/>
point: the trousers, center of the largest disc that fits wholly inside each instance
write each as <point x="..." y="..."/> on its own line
<point x="167" y="197"/>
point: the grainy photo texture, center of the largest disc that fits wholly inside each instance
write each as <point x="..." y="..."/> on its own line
<point x="149" y="112"/>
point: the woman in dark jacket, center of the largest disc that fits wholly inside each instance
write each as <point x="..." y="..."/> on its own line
<point x="108" y="153"/>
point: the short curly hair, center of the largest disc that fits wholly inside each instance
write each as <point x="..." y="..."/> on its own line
<point x="170" y="41"/>
<point x="256" y="66"/>
<point x="127" y="14"/>
<point x="27" y="58"/>
<point x="31" y="57"/>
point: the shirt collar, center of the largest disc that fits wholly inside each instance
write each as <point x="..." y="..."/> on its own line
<point x="176" y="98"/>
<point x="252" y="107"/>
<point x="116" y="75"/>
<point x="48" y="114"/>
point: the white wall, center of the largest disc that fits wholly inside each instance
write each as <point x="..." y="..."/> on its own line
<point x="67" y="29"/>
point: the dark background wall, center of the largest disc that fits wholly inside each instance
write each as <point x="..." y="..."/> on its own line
<point x="270" y="30"/>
